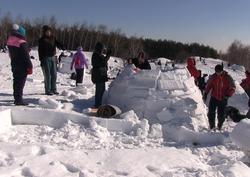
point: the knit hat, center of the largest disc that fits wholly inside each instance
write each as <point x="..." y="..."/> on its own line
<point x="19" y="29"/>
<point x="22" y="31"/>
<point x="79" y="48"/>
<point x="99" y="47"/>
<point x="46" y="28"/>
<point x="218" y="68"/>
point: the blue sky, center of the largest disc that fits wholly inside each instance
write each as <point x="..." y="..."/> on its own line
<point x="210" y="22"/>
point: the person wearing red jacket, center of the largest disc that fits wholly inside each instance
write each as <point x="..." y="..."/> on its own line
<point x="192" y="68"/>
<point x="245" y="84"/>
<point x="222" y="87"/>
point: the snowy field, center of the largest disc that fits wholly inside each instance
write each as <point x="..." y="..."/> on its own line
<point x="161" y="132"/>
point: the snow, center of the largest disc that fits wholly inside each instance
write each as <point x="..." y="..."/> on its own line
<point x="162" y="130"/>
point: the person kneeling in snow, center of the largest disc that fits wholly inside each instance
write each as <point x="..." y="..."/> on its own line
<point x="21" y="64"/>
<point x="222" y="86"/>
<point x="79" y="61"/>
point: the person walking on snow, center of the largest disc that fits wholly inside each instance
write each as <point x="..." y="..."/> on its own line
<point x="79" y="61"/>
<point x="47" y="49"/>
<point x="99" y="72"/>
<point x="222" y="86"/>
<point x="21" y="64"/>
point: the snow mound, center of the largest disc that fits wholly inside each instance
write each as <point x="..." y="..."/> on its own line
<point x="160" y="97"/>
<point x="241" y="135"/>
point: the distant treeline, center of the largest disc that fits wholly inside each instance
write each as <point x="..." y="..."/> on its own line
<point x="87" y="35"/>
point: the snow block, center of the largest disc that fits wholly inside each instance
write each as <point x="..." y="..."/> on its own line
<point x="5" y="118"/>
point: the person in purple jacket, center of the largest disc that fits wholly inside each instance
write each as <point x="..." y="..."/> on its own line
<point x="79" y="61"/>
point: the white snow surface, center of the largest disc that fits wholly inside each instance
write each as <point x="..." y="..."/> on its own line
<point x="162" y="131"/>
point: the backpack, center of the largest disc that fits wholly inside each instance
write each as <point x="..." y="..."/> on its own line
<point x="78" y="60"/>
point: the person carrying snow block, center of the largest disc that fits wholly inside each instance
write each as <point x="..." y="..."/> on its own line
<point x="192" y="69"/>
<point x="222" y="86"/>
<point x="99" y="71"/>
<point x="79" y="61"/>
<point x="245" y="83"/>
<point x="21" y="64"/>
<point x="140" y="62"/>
<point x="46" y="50"/>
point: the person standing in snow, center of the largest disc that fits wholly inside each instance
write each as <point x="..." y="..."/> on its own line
<point x="140" y="62"/>
<point x="79" y="61"/>
<point x="222" y="86"/>
<point x="47" y="49"/>
<point x="21" y="64"/>
<point x="99" y="72"/>
<point x="245" y="83"/>
<point x="192" y="69"/>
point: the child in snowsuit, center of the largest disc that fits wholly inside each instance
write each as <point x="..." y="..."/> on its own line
<point x="21" y="64"/>
<point x="79" y="61"/>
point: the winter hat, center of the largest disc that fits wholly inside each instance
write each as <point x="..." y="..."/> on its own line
<point x="99" y="47"/>
<point x="46" y="28"/>
<point x="218" y="68"/>
<point x="79" y="48"/>
<point x="22" y="31"/>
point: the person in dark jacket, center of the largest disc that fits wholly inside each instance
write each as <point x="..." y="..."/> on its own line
<point x="222" y="86"/>
<point x="47" y="49"/>
<point x="99" y="72"/>
<point x="245" y="83"/>
<point x="140" y="62"/>
<point x="21" y="64"/>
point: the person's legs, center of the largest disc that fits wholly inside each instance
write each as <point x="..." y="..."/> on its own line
<point x="100" y="88"/>
<point x="47" y="75"/>
<point x="53" y="72"/>
<point x="221" y="113"/>
<point x="79" y="76"/>
<point x="211" y="112"/>
<point x="18" y="85"/>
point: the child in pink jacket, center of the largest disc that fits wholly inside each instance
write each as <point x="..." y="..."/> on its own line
<point x="79" y="61"/>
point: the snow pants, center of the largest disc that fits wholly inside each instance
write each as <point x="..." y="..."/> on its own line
<point x="79" y="75"/>
<point x="220" y="106"/>
<point x="50" y="74"/>
<point x="99" y="90"/>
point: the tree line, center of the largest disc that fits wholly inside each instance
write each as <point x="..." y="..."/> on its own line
<point x="87" y="35"/>
<point x="238" y="53"/>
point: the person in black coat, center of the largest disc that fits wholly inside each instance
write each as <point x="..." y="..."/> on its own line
<point x="99" y="72"/>
<point x="21" y="64"/>
<point x="47" y="49"/>
<point x="140" y="62"/>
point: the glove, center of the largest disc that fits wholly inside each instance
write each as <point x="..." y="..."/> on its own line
<point x="29" y="71"/>
<point x="204" y="97"/>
